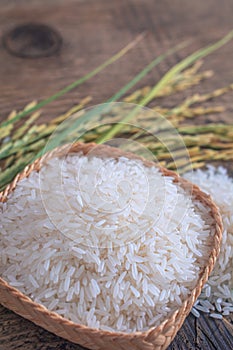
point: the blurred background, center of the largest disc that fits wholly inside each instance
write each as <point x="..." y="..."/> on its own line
<point x="46" y="45"/>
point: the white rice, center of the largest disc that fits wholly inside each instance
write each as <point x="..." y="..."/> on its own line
<point x="122" y="246"/>
<point x="217" y="294"/>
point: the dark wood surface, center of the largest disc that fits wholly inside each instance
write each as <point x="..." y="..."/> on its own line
<point x="91" y="31"/>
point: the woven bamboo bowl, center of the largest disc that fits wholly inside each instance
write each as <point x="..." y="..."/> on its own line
<point x="156" y="338"/>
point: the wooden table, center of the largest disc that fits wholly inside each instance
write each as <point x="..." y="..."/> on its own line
<point x="90" y="32"/>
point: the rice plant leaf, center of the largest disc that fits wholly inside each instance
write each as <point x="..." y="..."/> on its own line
<point x="144" y="72"/>
<point x="185" y="63"/>
<point x="76" y="83"/>
<point x="104" y="108"/>
<point x="164" y="81"/>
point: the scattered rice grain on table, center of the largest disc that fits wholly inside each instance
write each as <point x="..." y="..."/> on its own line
<point x="216" y="298"/>
<point x="120" y="252"/>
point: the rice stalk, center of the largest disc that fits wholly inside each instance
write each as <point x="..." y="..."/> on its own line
<point x="26" y="134"/>
<point x="76" y="83"/>
<point x="30" y="139"/>
<point x="13" y="170"/>
<point x="23" y="129"/>
<point x="165" y="81"/>
<point x="218" y="129"/>
<point x="82" y="119"/>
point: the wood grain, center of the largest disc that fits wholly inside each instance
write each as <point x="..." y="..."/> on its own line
<point x="91" y="32"/>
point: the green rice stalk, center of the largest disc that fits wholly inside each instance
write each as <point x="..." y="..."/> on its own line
<point x="5" y="132"/>
<point x="87" y="116"/>
<point x="197" y="98"/>
<point x="23" y="129"/>
<point x="190" y="167"/>
<point x="24" y="136"/>
<point x="164" y="81"/>
<point x="183" y="84"/>
<point x="221" y="136"/>
<point x="13" y="170"/>
<point x="71" y="111"/>
<point x="76" y="83"/>
<point x="12" y="114"/>
<point x="218" y="129"/>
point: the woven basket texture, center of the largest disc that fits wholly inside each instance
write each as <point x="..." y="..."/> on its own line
<point x="156" y="338"/>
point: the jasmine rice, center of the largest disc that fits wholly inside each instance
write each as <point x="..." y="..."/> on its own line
<point x="216" y="298"/>
<point x="110" y="244"/>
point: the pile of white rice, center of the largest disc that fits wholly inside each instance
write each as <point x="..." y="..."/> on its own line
<point x="107" y="243"/>
<point x="216" y="298"/>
